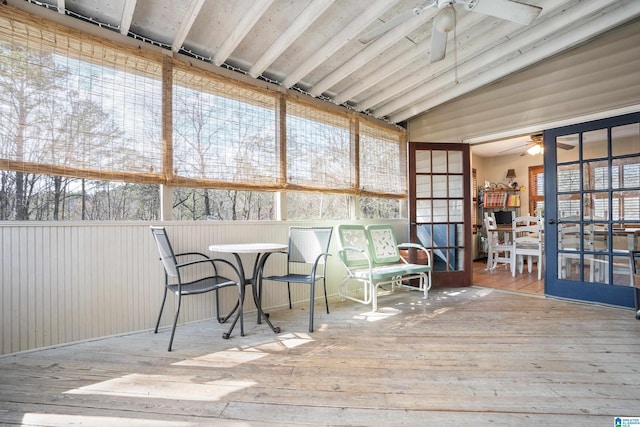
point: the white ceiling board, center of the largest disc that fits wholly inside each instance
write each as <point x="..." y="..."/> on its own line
<point x="410" y="88"/>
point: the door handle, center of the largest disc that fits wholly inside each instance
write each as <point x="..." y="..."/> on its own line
<point x="551" y="221"/>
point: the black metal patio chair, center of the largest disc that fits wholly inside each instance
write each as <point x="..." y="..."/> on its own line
<point x="197" y="274"/>
<point x="306" y="262"/>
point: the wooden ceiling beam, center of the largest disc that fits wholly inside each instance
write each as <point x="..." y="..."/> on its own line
<point x="240" y="31"/>
<point x="301" y="23"/>
<point x="127" y="16"/>
<point x="371" y="51"/>
<point x="369" y="15"/>
<point x="192" y="13"/>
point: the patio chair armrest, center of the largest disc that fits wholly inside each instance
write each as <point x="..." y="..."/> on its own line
<point x="192" y="254"/>
<point x="317" y="261"/>
<point x="213" y="262"/>
<point x="342" y="255"/>
<point x="416" y="246"/>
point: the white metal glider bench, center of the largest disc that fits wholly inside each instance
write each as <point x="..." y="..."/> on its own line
<point x="372" y="258"/>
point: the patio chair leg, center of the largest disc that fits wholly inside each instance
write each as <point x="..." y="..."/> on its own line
<point x="175" y="321"/>
<point x="164" y="298"/>
<point x="311" y="305"/>
<point x="289" y="292"/>
<point x="326" y="301"/>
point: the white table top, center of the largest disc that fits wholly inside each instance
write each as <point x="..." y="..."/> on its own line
<point x="248" y="248"/>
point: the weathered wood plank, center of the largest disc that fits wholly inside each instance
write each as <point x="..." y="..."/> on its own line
<point x="474" y="356"/>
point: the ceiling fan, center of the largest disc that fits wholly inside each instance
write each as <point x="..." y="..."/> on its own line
<point x="445" y="20"/>
<point x="536" y="146"/>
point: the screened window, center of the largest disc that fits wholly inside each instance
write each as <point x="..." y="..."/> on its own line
<point x="223" y="132"/>
<point x="76" y="107"/>
<point x="318" y="148"/>
<point x="382" y="161"/>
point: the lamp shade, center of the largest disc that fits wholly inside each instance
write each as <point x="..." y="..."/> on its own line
<point x="511" y="173"/>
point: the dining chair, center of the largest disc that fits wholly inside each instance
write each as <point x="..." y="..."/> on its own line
<point x="497" y="251"/>
<point x="527" y="240"/>
<point x="195" y="274"/>
<point x="307" y="253"/>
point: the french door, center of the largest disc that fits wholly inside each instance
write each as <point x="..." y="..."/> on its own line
<point x="592" y="209"/>
<point x="440" y="209"/>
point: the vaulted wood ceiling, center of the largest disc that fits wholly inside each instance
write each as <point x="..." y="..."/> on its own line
<point x="313" y="45"/>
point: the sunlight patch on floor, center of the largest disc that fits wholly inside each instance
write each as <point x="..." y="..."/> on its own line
<point x="90" y="421"/>
<point x="374" y="316"/>
<point x="181" y="387"/>
<point x="238" y="355"/>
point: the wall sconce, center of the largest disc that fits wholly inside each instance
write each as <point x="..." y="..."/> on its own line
<point x="511" y="173"/>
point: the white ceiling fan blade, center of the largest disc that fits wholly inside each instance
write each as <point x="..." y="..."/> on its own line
<point x="389" y="25"/>
<point x="438" y="45"/>
<point x="520" y="13"/>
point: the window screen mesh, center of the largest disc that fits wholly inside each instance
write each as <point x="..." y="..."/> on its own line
<point x="382" y="161"/>
<point x="77" y="106"/>
<point x="223" y="132"/>
<point x="318" y="148"/>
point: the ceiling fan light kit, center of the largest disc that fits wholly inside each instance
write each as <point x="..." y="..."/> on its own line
<point x="535" y="149"/>
<point x="445" y="20"/>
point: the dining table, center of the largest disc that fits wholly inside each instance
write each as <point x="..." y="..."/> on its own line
<point x="262" y="251"/>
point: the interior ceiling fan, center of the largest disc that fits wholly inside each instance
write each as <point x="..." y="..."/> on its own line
<point x="536" y="146"/>
<point x="445" y="20"/>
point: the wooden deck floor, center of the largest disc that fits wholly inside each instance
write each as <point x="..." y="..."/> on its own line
<point x="466" y="356"/>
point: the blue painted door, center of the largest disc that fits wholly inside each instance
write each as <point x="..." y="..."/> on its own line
<point x="592" y="209"/>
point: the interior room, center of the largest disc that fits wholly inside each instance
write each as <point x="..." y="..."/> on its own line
<point x="319" y="212"/>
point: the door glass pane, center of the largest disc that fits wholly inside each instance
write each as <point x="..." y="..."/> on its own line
<point x="439" y="161"/>
<point x="455" y="186"/>
<point x="567" y="148"/>
<point x="568" y="178"/>
<point x="628" y="206"/>
<point x="455" y="162"/>
<point x="595" y="175"/>
<point x="423" y="210"/>
<point x="455" y="210"/>
<point x="597" y="237"/>
<point x="594" y="144"/>
<point x="460" y="235"/>
<point x="627" y="172"/>
<point x="599" y="207"/>
<point x="569" y="266"/>
<point x="621" y="270"/>
<point x="423" y="161"/>
<point x="439" y="210"/>
<point x="459" y="259"/>
<point x="623" y="240"/>
<point x="424" y="234"/>
<point x="569" y="206"/>
<point x="423" y="186"/>
<point x="594" y="269"/>
<point x="625" y="139"/>
<point x="439" y="185"/>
